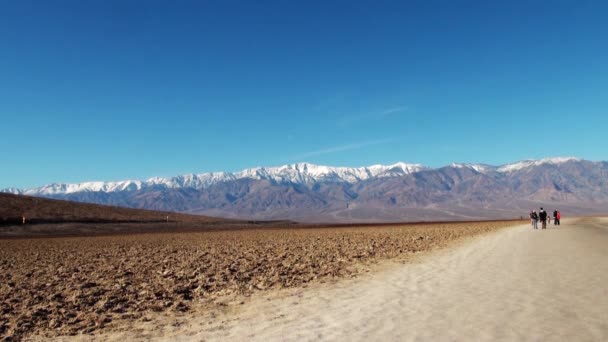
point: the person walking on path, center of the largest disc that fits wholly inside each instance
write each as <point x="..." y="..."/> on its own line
<point x="543" y="217"/>
<point x="555" y="217"/>
<point x="559" y="218"/>
<point x="534" y="217"/>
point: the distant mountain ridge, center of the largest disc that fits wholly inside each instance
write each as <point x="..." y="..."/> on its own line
<point x="397" y="192"/>
<point x="299" y="173"/>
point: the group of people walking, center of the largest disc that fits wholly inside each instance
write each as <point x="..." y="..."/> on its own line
<point x="544" y="217"/>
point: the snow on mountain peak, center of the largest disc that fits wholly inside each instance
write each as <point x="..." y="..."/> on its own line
<point x="528" y="163"/>
<point x="300" y="173"/>
<point x="481" y="168"/>
<point x="309" y="173"/>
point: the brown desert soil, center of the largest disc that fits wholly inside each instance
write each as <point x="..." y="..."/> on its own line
<point x="79" y="285"/>
<point x="38" y="210"/>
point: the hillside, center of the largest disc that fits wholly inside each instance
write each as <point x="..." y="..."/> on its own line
<point x="44" y="210"/>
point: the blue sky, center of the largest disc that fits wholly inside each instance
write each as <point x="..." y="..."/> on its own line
<point x="111" y="90"/>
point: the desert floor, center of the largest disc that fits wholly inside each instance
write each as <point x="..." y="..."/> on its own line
<point x="512" y="284"/>
<point x="58" y="286"/>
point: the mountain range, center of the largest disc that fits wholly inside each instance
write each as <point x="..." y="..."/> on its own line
<point x="397" y="192"/>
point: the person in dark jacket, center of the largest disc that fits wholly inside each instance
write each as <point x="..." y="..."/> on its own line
<point x="534" y="217"/>
<point x="542" y="215"/>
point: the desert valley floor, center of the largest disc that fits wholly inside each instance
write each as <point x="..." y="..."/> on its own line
<point x="480" y="281"/>
<point x="513" y="284"/>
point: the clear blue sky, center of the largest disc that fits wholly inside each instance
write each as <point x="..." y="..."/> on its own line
<point x="111" y="90"/>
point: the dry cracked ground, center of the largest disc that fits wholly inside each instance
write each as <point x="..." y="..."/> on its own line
<point x="69" y="286"/>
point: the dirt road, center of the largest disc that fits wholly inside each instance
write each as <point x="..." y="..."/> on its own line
<point x="515" y="284"/>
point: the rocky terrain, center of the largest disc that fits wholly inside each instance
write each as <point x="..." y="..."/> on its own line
<point x="67" y="286"/>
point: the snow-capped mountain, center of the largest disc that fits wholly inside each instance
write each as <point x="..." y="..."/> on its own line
<point x="481" y="168"/>
<point x="528" y="163"/>
<point x="300" y="173"/>
<point x="397" y="192"/>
